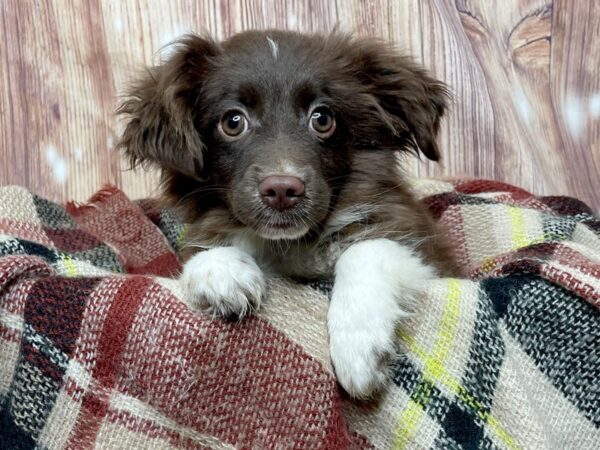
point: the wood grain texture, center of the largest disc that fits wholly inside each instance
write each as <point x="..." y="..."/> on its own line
<point x="524" y="74"/>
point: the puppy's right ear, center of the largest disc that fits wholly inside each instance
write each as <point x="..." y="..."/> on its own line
<point x="162" y="110"/>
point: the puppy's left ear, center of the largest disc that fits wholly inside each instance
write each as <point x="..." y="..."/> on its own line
<point x="413" y="103"/>
<point x="162" y="110"/>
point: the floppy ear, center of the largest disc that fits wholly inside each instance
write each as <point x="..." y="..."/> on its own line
<point x="162" y="110"/>
<point x="412" y="103"/>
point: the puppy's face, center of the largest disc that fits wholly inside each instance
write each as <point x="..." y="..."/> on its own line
<point x="266" y="124"/>
<point x="274" y="138"/>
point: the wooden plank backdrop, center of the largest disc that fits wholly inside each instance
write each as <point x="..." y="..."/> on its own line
<point x="524" y="74"/>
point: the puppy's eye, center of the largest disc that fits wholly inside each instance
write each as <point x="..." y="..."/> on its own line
<point x="233" y="124"/>
<point x="322" y="122"/>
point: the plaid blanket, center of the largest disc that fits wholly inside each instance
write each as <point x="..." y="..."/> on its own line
<point x="98" y="350"/>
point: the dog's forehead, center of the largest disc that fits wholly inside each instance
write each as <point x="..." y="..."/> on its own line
<point x="270" y="46"/>
<point x="268" y="62"/>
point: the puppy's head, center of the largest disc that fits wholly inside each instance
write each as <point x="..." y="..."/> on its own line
<point x="266" y="124"/>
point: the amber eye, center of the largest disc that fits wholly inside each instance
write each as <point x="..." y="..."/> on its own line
<point x="322" y="121"/>
<point x="233" y="123"/>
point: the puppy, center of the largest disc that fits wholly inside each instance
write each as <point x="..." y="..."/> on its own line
<point x="280" y="150"/>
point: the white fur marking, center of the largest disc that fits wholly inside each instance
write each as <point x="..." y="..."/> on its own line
<point x="274" y="47"/>
<point x="275" y="234"/>
<point x="347" y="216"/>
<point x="224" y="281"/>
<point x="248" y="241"/>
<point x="377" y="282"/>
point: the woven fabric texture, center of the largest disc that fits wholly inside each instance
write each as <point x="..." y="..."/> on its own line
<point x="98" y="350"/>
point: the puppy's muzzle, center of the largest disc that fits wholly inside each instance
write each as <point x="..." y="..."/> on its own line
<point x="281" y="192"/>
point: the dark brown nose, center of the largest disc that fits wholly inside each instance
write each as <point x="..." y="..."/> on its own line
<point x="280" y="192"/>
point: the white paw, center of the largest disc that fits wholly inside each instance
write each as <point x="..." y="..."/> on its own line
<point x="360" y="354"/>
<point x="377" y="283"/>
<point x="223" y="281"/>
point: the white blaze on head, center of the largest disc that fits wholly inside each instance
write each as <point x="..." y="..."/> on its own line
<point x="274" y="47"/>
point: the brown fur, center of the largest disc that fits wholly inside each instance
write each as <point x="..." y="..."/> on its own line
<point x="382" y="103"/>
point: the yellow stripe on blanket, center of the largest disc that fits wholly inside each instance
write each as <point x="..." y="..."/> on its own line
<point x="517" y="221"/>
<point x="435" y="372"/>
<point x="434" y="363"/>
<point x="69" y="265"/>
<point x="522" y="234"/>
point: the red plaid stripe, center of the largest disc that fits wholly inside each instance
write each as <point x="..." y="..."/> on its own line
<point x="114" y="219"/>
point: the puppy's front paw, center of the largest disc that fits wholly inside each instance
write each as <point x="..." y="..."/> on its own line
<point x="360" y="353"/>
<point x="223" y="281"/>
<point x="377" y="283"/>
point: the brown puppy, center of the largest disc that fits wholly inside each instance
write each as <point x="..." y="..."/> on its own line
<point x="280" y="150"/>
